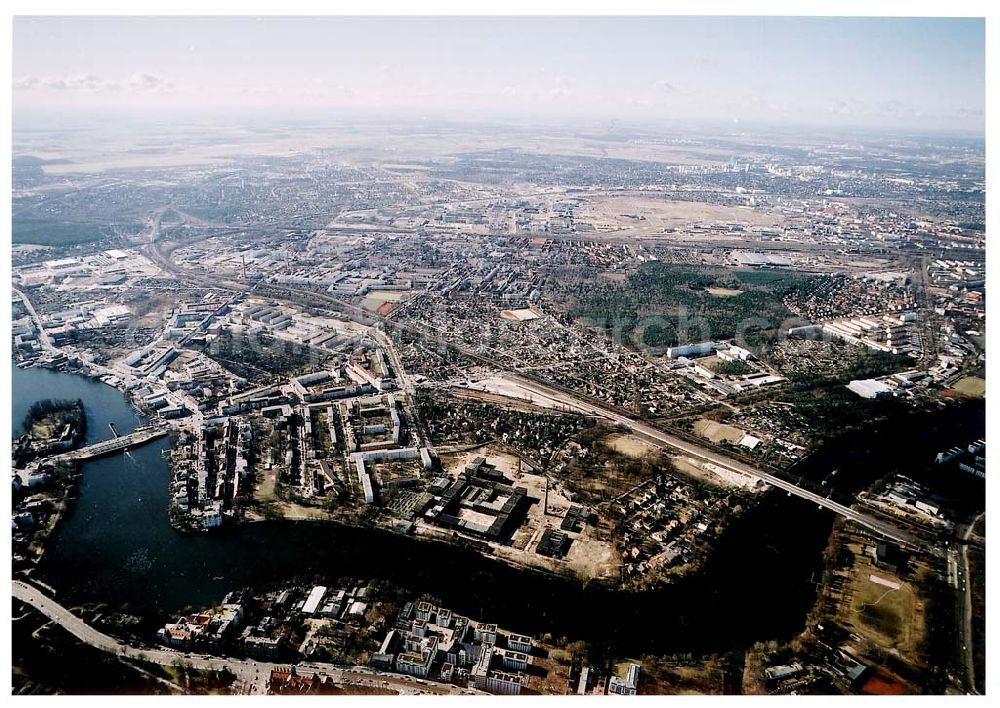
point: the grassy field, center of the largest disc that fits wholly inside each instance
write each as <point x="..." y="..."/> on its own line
<point x="43" y="429"/>
<point x="971" y="386"/>
<point x="892" y="618"/>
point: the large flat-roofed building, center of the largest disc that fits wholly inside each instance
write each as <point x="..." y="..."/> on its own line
<point x="513" y="660"/>
<point x="554" y="543"/>
<point x="699" y="349"/>
<point x="418" y="656"/>
<point x="870" y="388"/>
<point x="494" y="681"/>
<point x="520" y="643"/>
<point x="627" y="686"/>
<point x="365" y="480"/>
<point x="503" y="683"/>
<point x="481" y="507"/>
<point x="312" y="602"/>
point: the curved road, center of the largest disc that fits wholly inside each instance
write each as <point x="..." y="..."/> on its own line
<point x="251" y="675"/>
<point x="968" y="637"/>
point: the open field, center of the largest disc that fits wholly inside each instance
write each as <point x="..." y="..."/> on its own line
<point x="553" y="673"/>
<point x="630" y="445"/>
<point x="723" y="292"/>
<point x="971" y="386"/>
<point x="454" y="463"/>
<point x="652" y="214"/>
<point x="887" y="610"/>
<point x="591" y="557"/>
<point x="503" y="387"/>
<point x="387" y="295"/>
<point x="883" y="613"/>
<point x="43" y="429"/>
<point x="869" y="263"/>
<point x="675" y="678"/>
<point x="712" y="474"/>
<point x="717" y="432"/>
<point x="378" y="299"/>
<point x="264" y="491"/>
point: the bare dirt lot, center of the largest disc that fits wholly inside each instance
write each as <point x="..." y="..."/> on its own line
<point x="630" y="445"/>
<point x="717" y="432"/>
<point x="723" y="292"/>
<point x="712" y="474"/>
<point x="653" y="214"/>
<point x="387" y="295"/>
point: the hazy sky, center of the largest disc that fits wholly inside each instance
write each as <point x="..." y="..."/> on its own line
<point x="899" y="73"/>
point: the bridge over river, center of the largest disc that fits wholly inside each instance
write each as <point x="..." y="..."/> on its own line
<point x="139" y="436"/>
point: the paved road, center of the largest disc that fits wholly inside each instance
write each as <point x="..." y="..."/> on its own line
<point x="251" y="676"/>
<point x="667" y="440"/>
<point x="124" y="442"/>
<point x="43" y="336"/>
<point x="133" y="439"/>
<point x="967" y="637"/>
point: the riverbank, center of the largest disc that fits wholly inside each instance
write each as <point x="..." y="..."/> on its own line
<point x="115" y="546"/>
<point x="85" y="370"/>
<point x="61" y="495"/>
<point x="51" y="426"/>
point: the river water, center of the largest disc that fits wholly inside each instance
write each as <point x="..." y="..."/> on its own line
<point x="116" y="546"/>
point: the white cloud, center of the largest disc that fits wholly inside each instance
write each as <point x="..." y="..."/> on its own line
<point x="81" y="82"/>
<point x="73" y="82"/>
<point x="561" y="87"/>
<point x="25" y="83"/>
<point x="840" y="108"/>
<point x="148" y="82"/>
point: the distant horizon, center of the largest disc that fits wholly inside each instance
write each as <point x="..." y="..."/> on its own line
<point x="42" y="119"/>
<point x="903" y="75"/>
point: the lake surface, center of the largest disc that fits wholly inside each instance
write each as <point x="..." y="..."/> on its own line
<point x="103" y="403"/>
<point x="116" y="546"/>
